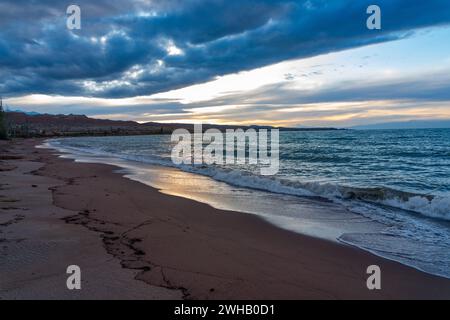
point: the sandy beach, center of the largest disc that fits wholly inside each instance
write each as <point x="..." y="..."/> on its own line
<point x="133" y="242"/>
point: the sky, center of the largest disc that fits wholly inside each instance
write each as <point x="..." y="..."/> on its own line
<point x="284" y="63"/>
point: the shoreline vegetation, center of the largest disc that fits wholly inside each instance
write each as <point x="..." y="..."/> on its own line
<point x="22" y="125"/>
<point x="3" y="128"/>
<point x="133" y="242"/>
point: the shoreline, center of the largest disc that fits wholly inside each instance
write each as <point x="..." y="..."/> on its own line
<point x="191" y="250"/>
<point x="345" y="222"/>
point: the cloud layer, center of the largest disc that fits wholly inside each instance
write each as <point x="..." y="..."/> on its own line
<point x="134" y="48"/>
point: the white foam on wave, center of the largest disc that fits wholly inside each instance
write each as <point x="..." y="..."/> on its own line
<point x="249" y="180"/>
<point x="437" y="207"/>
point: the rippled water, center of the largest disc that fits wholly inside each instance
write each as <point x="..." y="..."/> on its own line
<point x="397" y="178"/>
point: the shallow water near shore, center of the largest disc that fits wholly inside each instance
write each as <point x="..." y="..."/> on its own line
<point x="396" y="220"/>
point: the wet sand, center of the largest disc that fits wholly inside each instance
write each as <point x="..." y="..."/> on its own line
<point x="133" y="242"/>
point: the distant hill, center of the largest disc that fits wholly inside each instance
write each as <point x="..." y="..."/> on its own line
<point x="414" y="124"/>
<point x="30" y="113"/>
<point x="21" y="124"/>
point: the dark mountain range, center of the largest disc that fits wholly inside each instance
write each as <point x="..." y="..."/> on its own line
<point x="45" y="125"/>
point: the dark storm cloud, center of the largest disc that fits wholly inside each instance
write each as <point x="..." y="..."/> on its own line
<point x="39" y="55"/>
